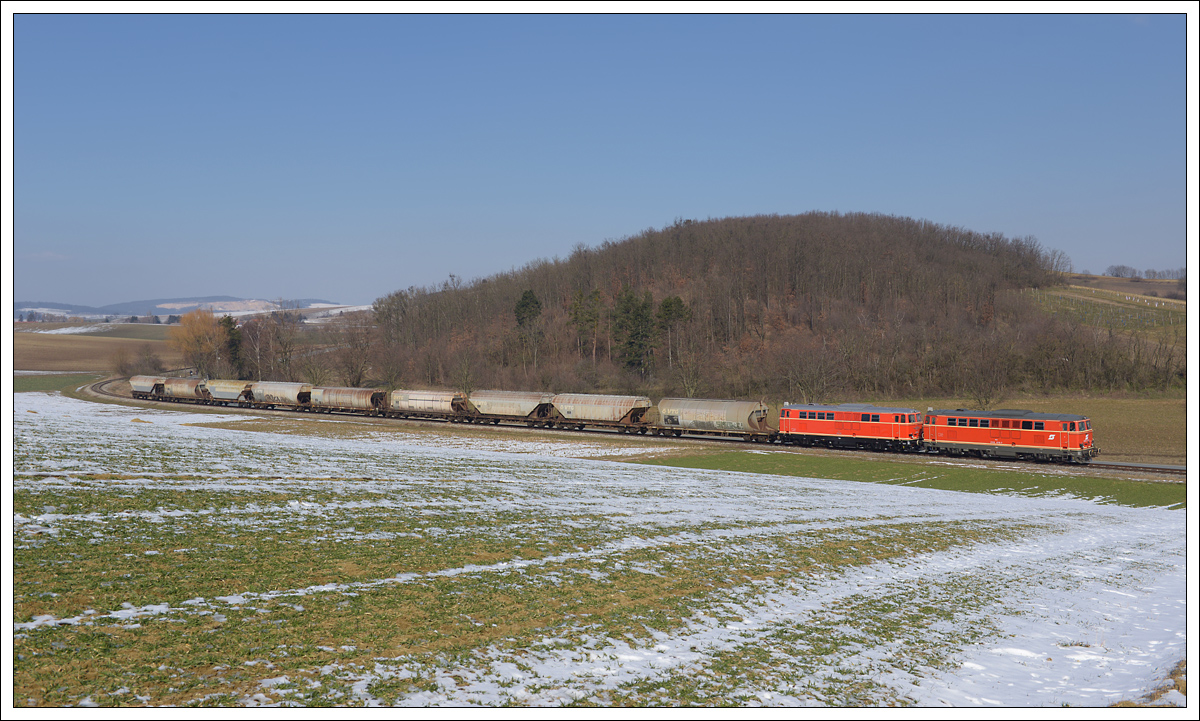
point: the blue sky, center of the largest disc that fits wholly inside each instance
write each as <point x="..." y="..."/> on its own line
<point x="344" y="157"/>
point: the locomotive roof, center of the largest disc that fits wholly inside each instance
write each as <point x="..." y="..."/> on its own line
<point x="1008" y="413"/>
<point x="848" y="407"/>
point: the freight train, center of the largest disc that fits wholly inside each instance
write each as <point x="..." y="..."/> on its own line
<point x="1002" y="434"/>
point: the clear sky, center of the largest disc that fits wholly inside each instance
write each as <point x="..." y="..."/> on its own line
<point x="343" y="157"/>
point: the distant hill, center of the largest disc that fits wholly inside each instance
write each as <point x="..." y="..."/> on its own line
<point x="160" y="306"/>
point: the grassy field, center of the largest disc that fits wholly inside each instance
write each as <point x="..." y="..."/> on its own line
<point x="66" y="382"/>
<point x="1160" y="317"/>
<point x="1125" y="286"/>
<point x="87" y="351"/>
<point x="1011" y="478"/>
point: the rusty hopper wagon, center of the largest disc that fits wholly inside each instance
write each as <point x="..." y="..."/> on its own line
<point x="347" y="400"/>
<point x="495" y="406"/>
<point x="147" y="386"/>
<point x="625" y="413"/>
<point x="291" y="395"/>
<point x="747" y="419"/>
<point x="427" y="404"/>
<point x="225" y="392"/>
<point x="185" y="389"/>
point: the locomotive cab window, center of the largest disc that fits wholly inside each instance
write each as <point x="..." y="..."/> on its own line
<point x="1039" y="426"/>
<point x="1027" y="425"/>
<point x="1072" y="425"/>
<point x="875" y="418"/>
<point x="866" y="417"/>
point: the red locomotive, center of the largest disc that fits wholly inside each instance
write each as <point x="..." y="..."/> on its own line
<point x="1021" y="435"/>
<point x="851" y="425"/>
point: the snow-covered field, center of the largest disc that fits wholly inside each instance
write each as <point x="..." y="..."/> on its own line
<point x="159" y="562"/>
<point x="78" y="329"/>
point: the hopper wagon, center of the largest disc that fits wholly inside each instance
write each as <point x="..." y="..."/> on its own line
<point x="532" y="408"/>
<point x="185" y="389"/>
<point x="147" y="387"/>
<point x="747" y="419"/>
<point x="269" y="394"/>
<point x="626" y="414"/>
<point x="347" y="400"/>
<point x="224" y="392"/>
<point x="444" y="405"/>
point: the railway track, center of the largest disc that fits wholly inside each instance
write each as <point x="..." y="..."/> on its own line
<point x="101" y="388"/>
<point x="1146" y="468"/>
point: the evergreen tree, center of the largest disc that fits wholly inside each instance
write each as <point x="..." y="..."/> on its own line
<point x="585" y="316"/>
<point x="528" y="310"/>
<point x="671" y="313"/>
<point x="633" y="322"/>
<point x="233" y="343"/>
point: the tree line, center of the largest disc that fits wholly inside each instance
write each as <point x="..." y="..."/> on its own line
<point x="1125" y="271"/>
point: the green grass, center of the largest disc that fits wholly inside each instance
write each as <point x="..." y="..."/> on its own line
<point x="433" y="621"/>
<point x="56" y="382"/>
<point x="1031" y="480"/>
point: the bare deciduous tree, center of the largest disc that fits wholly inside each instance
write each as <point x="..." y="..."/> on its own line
<point x="352" y="336"/>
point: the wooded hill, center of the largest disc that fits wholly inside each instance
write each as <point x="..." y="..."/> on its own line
<point x="819" y="307"/>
